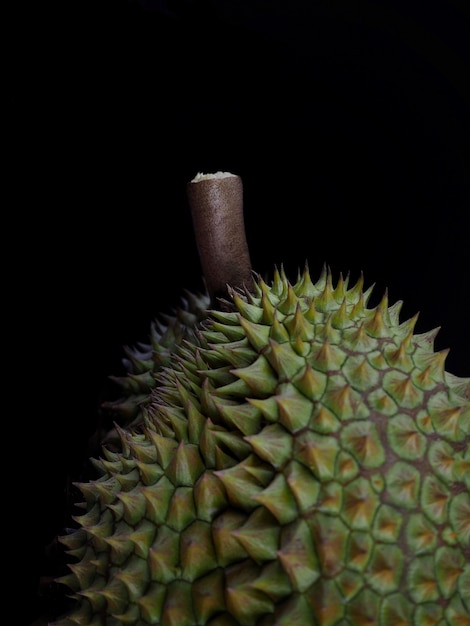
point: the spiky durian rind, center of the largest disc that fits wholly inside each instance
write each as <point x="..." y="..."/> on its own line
<point x="144" y="360"/>
<point x="304" y="461"/>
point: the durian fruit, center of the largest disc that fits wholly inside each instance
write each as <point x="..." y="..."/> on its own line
<point x="304" y="460"/>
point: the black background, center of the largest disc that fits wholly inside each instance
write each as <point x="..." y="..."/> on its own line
<point x="349" y="123"/>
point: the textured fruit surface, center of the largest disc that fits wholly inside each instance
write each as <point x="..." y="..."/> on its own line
<point x="142" y="363"/>
<point x="304" y="460"/>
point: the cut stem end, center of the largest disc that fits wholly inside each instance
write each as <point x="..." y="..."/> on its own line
<point x="216" y="203"/>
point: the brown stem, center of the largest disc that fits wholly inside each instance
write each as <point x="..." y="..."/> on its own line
<point x="216" y="203"/>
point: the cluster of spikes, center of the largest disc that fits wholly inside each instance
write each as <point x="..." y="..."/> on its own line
<point x="303" y="460"/>
<point x="143" y="361"/>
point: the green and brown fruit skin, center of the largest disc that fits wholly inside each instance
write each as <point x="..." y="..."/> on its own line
<point x="304" y="461"/>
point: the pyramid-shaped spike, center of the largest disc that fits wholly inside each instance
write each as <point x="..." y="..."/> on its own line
<point x="209" y="495"/>
<point x="134" y="505"/>
<point x="121" y="547"/>
<point x="213" y="358"/>
<point x="360" y="374"/>
<point x="362" y="440"/>
<point x="224" y="329"/>
<point x="359" y="310"/>
<point x="245" y="417"/>
<point x="305" y="488"/>
<point x="399" y="357"/>
<point x="404" y="332"/>
<point x="197" y="552"/>
<point x="302" y="348"/>
<point x="259" y="377"/>
<point x="324" y="421"/>
<point x="208" y="442"/>
<point x="268" y="407"/>
<point x="328" y="332"/>
<point x="304" y="287"/>
<point x="450" y="419"/>
<point x="142" y="537"/>
<point x="424" y="378"/>
<point x="228" y="548"/>
<point x="359" y="340"/>
<point x="259" y="535"/>
<point x="288" y="304"/>
<point x="233" y="444"/>
<point x="343" y="400"/>
<point x="186" y="465"/>
<point x="279" y="282"/>
<point x="339" y="292"/>
<point x="257" y="334"/>
<point x="196" y="422"/>
<point x="103" y="491"/>
<point x="143" y="451"/>
<point x="240" y="486"/>
<point x="312" y="314"/>
<point x="82" y="573"/>
<point x="182" y="510"/>
<point x="272" y="444"/>
<point x="401" y="388"/>
<point x="435" y="361"/>
<point x="279" y="500"/>
<point x="295" y="410"/>
<point x="74" y="540"/>
<point x="354" y="293"/>
<point x="208" y="406"/>
<point x="279" y="333"/>
<point x="311" y="383"/>
<point x="176" y="419"/>
<point x="115" y="594"/>
<point x="284" y="360"/>
<point x="318" y="453"/>
<point x="425" y="341"/>
<point x="340" y="319"/>
<point x="225" y="318"/>
<point x="251" y="312"/>
<point x="158" y="497"/>
<point x="164" y="446"/>
<point x="91" y="517"/>
<point x="299" y="326"/>
<point x="269" y="308"/>
<point x="376" y="325"/>
<point x="219" y="333"/>
<point x="94" y="597"/>
<point x="327" y="357"/>
<point x="325" y="301"/>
